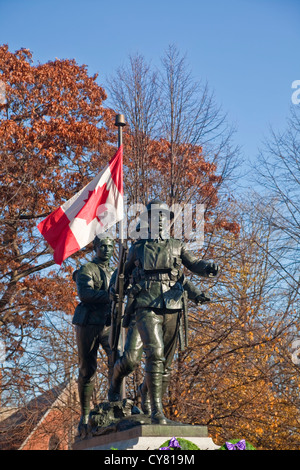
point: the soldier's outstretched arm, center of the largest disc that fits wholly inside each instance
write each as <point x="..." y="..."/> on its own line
<point x="193" y="293"/>
<point x="200" y="267"/>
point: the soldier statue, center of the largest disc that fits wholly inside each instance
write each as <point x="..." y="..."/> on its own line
<point x="154" y="271"/>
<point x="91" y="319"/>
<point x="133" y="348"/>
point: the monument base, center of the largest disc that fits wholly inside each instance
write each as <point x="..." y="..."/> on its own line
<point x="122" y="426"/>
<point x="147" y="437"/>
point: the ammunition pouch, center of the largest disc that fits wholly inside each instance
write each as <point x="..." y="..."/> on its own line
<point x="172" y="275"/>
<point x="157" y="276"/>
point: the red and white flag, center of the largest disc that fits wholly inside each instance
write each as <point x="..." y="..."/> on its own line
<point x="90" y="212"/>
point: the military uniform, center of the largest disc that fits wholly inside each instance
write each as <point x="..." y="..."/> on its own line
<point x="154" y="269"/>
<point x="91" y="319"/>
<point x="133" y="349"/>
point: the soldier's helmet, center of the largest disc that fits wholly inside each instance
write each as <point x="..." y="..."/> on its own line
<point x="158" y="206"/>
<point x="153" y="210"/>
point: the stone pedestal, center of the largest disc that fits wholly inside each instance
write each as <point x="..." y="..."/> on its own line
<point x="146" y="437"/>
<point x="122" y="426"/>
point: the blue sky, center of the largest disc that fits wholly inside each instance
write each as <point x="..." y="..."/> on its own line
<point x="247" y="50"/>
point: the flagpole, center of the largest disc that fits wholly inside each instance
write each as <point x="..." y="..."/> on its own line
<point x="120" y="123"/>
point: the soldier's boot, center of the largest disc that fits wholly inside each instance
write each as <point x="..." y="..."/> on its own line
<point x="85" y="391"/>
<point x="114" y="391"/>
<point x="110" y="367"/>
<point x="154" y="385"/>
<point x="142" y="392"/>
<point x="164" y="384"/>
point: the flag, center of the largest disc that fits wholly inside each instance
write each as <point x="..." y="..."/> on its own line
<point x="90" y="212"/>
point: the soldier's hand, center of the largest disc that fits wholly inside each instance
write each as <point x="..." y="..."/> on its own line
<point x="212" y="269"/>
<point x="201" y="299"/>
<point x="113" y="296"/>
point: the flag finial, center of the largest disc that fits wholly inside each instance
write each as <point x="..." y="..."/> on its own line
<point x="120" y="120"/>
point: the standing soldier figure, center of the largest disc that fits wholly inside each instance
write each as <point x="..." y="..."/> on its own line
<point x="153" y="268"/>
<point x="90" y="319"/>
<point x="133" y="348"/>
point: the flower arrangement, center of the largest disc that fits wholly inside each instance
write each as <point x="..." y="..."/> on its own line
<point x="178" y="444"/>
<point x="236" y="444"/>
<point x="184" y="444"/>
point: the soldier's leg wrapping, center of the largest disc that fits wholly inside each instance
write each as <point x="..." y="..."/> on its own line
<point x="150" y="328"/>
<point x="143" y="391"/>
<point x="87" y="344"/>
<point x="170" y="335"/>
<point x="145" y="398"/>
<point x="133" y="350"/>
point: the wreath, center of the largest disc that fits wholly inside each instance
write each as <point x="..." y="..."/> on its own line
<point x="236" y="444"/>
<point x="178" y="444"/>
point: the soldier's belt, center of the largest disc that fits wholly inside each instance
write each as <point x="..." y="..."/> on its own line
<point x="157" y="277"/>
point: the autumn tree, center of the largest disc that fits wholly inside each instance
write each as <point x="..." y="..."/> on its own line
<point x="55" y="136"/>
<point x="179" y="144"/>
<point x="134" y="92"/>
<point x="229" y="374"/>
<point x="277" y="172"/>
<point x="196" y="129"/>
<point x="237" y="374"/>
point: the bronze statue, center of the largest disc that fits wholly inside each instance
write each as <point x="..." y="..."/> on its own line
<point x="133" y="348"/>
<point x="91" y="319"/>
<point x="153" y="269"/>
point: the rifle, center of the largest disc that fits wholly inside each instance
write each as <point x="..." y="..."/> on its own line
<point x="184" y="321"/>
<point x="117" y="307"/>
